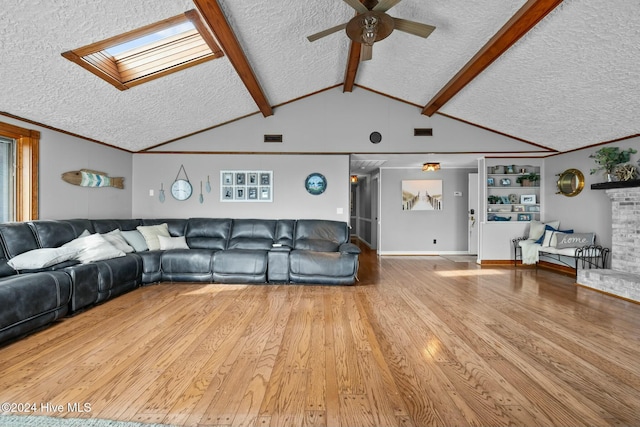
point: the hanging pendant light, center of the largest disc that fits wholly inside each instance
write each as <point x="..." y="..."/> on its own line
<point x="354" y="179"/>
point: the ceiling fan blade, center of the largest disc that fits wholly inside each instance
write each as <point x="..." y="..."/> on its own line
<point x="412" y="27"/>
<point x="366" y="52"/>
<point x="384" y="5"/>
<point x="321" y="34"/>
<point x="359" y="7"/>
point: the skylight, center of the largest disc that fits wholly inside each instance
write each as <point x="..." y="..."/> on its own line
<point x="149" y="52"/>
<point x="149" y="38"/>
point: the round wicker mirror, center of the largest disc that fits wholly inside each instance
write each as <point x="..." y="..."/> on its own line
<point x="570" y="182"/>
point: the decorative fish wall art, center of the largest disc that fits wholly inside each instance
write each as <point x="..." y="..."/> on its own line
<point x="91" y="178"/>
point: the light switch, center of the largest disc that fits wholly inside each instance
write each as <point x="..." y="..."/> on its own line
<point x="339" y="211"/>
<point x="151" y="192"/>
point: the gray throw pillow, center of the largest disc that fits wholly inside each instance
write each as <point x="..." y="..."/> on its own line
<point x="574" y="240"/>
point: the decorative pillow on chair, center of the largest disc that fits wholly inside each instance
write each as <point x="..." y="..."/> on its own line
<point x="574" y="240"/>
<point x="550" y="238"/>
<point x="537" y="229"/>
<point x="41" y="258"/>
<point x="151" y="233"/>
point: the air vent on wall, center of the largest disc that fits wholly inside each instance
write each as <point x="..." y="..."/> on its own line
<point x="422" y="132"/>
<point x="273" y="138"/>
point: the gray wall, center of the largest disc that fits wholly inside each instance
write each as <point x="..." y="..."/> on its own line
<point x="589" y="211"/>
<point x="59" y="153"/>
<point x="412" y="232"/>
<point x="333" y="121"/>
<point x="290" y="198"/>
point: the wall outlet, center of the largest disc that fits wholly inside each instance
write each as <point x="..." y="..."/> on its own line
<point x="339" y="211"/>
<point x="434" y="241"/>
<point x="151" y="192"/>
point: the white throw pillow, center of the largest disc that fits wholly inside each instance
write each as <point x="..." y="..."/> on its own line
<point x="41" y="258"/>
<point x="151" y="233"/>
<point x="172" y="242"/>
<point x="116" y="239"/>
<point x="536" y="229"/>
<point x="93" y="248"/>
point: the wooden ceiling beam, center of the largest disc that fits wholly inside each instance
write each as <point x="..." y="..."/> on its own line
<point x="217" y="23"/>
<point x="524" y="20"/>
<point x="352" y="67"/>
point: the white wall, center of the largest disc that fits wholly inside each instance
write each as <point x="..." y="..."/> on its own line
<point x="290" y="198"/>
<point x="59" y="153"/>
<point x="413" y="232"/>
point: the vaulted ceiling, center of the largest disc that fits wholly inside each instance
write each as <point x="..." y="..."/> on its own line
<point x="569" y="82"/>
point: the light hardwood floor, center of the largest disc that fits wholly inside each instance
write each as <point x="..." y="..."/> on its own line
<point x="419" y="341"/>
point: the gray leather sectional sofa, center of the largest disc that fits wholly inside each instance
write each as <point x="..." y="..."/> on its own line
<point x="220" y="250"/>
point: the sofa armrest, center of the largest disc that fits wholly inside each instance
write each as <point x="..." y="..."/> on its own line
<point x="349" y="248"/>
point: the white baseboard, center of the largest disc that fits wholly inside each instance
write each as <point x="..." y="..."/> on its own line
<point x="416" y="253"/>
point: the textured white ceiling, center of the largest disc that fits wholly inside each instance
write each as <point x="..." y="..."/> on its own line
<point x="570" y="82"/>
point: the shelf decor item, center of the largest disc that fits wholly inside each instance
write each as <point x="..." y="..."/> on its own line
<point x="528" y="199"/>
<point x="528" y="180"/>
<point x="607" y="158"/>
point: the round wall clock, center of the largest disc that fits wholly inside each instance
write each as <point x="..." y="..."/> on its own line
<point x="315" y="183"/>
<point x="181" y="189"/>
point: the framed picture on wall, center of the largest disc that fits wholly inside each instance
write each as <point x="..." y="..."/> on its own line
<point x="246" y="186"/>
<point x="252" y="193"/>
<point x="422" y="195"/>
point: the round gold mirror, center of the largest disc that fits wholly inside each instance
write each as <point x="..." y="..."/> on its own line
<point x="570" y="183"/>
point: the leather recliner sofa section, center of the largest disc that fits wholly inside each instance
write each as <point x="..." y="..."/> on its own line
<point x="221" y="250"/>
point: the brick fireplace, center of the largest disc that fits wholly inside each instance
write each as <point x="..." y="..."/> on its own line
<point x="623" y="278"/>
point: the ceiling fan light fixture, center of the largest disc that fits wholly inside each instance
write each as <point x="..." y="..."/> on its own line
<point x="369" y="30"/>
<point x="431" y="167"/>
<point x="370" y="27"/>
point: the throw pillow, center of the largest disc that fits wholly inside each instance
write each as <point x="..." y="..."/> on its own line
<point x="151" y="233"/>
<point x="574" y="240"/>
<point x="172" y="242"/>
<point x="41" y="258"/>
<point x="550" y="238"/>
<point x="537" y="229"/>
<point x="116" y="239"/>
<point x="93" y="248"/>
<point x="135" y="239"/>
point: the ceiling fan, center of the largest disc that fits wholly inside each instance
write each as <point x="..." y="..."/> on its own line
<point x="372" y="24"/>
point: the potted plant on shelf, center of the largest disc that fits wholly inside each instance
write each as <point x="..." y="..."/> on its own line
<point x="528" y="180"/>
<point x="607" y="158"/>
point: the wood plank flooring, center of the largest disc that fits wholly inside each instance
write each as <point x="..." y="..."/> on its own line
<point x="420" y="341"/>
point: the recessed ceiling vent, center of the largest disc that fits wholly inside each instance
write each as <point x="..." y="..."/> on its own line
<point x="273" y="138"/>
<point x="422" y="132"/>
